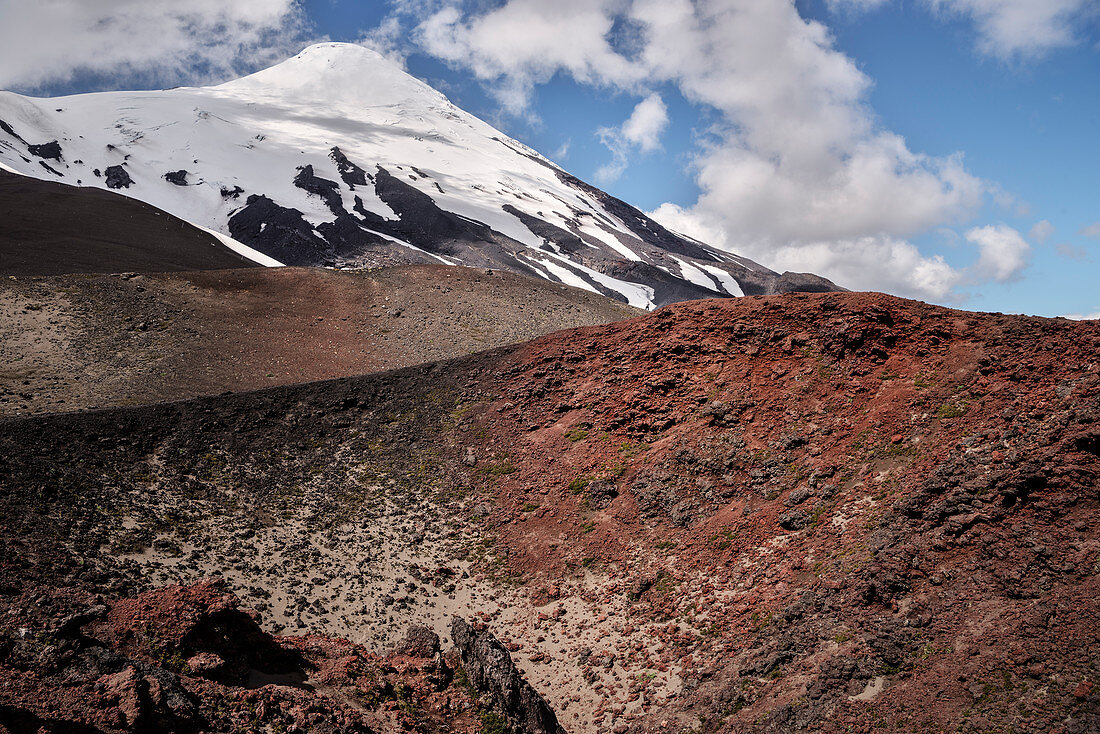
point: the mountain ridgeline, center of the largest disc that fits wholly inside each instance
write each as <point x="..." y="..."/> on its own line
<point x="339" y="158"/>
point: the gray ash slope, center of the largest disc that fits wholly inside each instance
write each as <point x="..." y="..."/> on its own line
<point x="49" y="228"/>
<point x="337" y="157"/>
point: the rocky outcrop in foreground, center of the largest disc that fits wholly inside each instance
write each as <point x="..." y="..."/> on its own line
<point x="189" y="659"/>
<point x="490" y="668"/>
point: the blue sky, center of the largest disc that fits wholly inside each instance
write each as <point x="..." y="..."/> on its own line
<point x="940" y="149"/>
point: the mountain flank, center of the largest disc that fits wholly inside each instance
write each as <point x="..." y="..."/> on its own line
<point x="832" y="512"/>
<point x="49" y="228"/>
<point x="339" y="158"/>
<point x="86" y="341"/>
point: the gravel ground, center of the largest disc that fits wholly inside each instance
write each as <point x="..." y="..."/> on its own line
<point x="86" y="341"/>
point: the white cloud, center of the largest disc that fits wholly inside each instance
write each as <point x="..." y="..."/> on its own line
<point x="1092" y="230"/>
<point x="1020" y="28"/>
<point x="1042" y="231"/>
<point x="526" y="42"/>
<point x="387" y="38"/>
<point x="691" y="223"/>
<point x="875" y="263"/>
<point x="1003" y="252"/>
<point x="1071" y="252"/>
<point x="1006" y="28"/>
<point x="158" y="41"/>
<point x="642" y="130"/>
<point x="868" y="263"/>
<point x="798" y="160"/>
<point x="647" y="123"/>
<point x="1094" y="316"/>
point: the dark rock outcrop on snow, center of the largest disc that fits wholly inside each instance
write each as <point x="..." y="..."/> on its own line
<point x="423" y="222"/>
<point x="647" y="229"/>
<point x="10" y="131"/>
<point x="350" y="173"/>
<point x="329" y="191"/>
<point x="118" y="178"/>
<point x="49" y="151"/>
<point x="278" y="231"/>
<point x="179" y="178"/>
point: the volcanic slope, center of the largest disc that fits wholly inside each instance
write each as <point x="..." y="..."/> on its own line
<point x="338" y="157"/>
<point x="49" y="228"/>
<point x="77" y="342"/>
<point x="835" y="512"/>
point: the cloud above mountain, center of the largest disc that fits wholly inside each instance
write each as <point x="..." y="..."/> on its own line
<point x="797" y="163"/>
<point x="794" y="167"/>
<point x="641" y="131"/>
<point x="1003" y="252"/>
<point x="1005" y="28"/>
<point x="159" y="41"/>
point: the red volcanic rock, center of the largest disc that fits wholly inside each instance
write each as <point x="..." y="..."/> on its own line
<point x="120" y="690"/>
<point x="887" y="495"/>
<point x="836" y="512"/>
<point x="206" y="665"/>
<point x="200" y="624"/>
<point x="149" y="664"/>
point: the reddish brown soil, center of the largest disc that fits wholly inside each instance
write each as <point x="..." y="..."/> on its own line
<point x="836" y="512"/>
<point x="821" y="495"/>
<point x="188" y="659"/>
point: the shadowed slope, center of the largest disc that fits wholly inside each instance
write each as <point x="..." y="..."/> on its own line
<point x="51" y="229"/>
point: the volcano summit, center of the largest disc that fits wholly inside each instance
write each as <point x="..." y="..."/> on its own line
<point x="337" y="157"/>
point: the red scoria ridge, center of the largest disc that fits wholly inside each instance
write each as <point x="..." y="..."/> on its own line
<point x="188" y="659"/>
<point x="836" y="512"/>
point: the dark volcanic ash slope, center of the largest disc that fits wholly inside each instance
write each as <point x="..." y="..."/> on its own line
<point x="836" y="512"/>
<point x="74" y="342"/>
<point x="49" y="228"/>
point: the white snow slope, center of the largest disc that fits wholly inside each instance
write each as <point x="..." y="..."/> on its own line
<point x="258" y="132"/>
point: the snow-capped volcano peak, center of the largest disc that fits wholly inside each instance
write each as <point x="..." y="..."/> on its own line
<point x="342" y="75"/>
<point x="337" y="156"/>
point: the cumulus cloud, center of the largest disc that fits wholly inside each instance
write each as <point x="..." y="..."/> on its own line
<point x="1071" y="252"/>
<point x="1042" y="231"/>
<point x="797" y="160"/>
<point x="876" y="264"/>
<point x="691" y="223"/>
<point x="526" y="42"/>
<point x="1003" y="252"/>
<point x="1092" y="230"/>
<point x="647" y="123"/>
<point x="873" y="263"/>
<point x="1020" y="28"/>
<point x="642" y="130"/>
<point x="387" y="38"/>
<point x="1094" y="316"/>
<point x="154" y="41"/>
<point x="1006" y="28"/>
